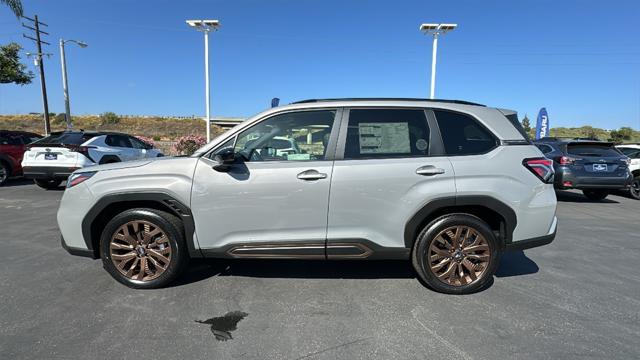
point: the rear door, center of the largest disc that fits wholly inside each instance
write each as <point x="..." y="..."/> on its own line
<point x="389" y="164"/>
<point x="122" y="147"/>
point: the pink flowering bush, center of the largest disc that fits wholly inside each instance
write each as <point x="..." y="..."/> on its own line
<point x="187" y="145"/>
<point x="146" y="140"/>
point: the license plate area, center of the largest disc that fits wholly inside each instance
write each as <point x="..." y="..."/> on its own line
<point x="600" y="167"/>
<point x="49" y="156"/>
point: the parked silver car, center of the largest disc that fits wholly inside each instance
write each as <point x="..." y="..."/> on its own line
<point x="449" y="185"/>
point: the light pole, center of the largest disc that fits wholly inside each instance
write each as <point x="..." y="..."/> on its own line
<point x="435" y="30"/>
<point x="206" y="26"/>
<point x="65" y="85"/>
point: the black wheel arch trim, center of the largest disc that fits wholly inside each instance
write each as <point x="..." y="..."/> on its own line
<point x="412" y="227"/>
<point x="165" y="200"/>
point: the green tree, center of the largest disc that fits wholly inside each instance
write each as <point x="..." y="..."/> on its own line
<point x="622" y="134"/>
<point x="14" y="5"/>
<point x="109" y="118"/>
<point x="526" y="124"/>
<point x="11" y="70"/>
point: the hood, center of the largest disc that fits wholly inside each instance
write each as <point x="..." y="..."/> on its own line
<point x="116" y="166"/>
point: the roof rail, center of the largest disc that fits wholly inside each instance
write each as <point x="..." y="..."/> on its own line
<point x="462" y="102"/>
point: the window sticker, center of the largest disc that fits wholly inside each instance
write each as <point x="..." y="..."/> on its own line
<point x="384" y="138"/>
<point x="422" y="144"/>
<point x="297" y="157"/>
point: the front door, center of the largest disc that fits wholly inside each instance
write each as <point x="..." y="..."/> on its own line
<point x="273" y="201"/>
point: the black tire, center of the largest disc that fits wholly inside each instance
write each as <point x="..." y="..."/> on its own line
<point x="421" y="252"/>
<point x="173" y="230"/>
<point x="5" y="172"/>
<point x="634" y="191"/>
<point x="595" y="194"/>
<point x="49" y="184"/>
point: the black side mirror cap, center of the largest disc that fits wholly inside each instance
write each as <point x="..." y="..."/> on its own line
<point x="224" y="159"/>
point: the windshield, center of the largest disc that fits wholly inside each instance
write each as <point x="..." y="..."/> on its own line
<point x="68" y="138"/>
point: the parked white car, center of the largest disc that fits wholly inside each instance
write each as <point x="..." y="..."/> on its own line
<point x="52" y="159"/>
<point x="632" y="151"/>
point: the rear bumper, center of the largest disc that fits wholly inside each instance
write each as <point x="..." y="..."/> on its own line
<point x="47" y="172"/>
<point x="535" y="242"/>
<point x="76" y="251"/>
<point x="564" y="177"/>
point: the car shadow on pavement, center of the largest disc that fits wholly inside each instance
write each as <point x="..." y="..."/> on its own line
<point x="512" y="264"/>
<point x="566" y="196"/>
<point x="515" y="263"/>
<point x="17" y="182"/>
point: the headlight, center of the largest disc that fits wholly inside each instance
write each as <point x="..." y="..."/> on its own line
<point x="78" y="178"/>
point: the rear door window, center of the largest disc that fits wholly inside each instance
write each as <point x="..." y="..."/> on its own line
<point x="118" y="141"/>
<point x="595" y="150"/>
<point x="463" y="135"/>
<point x="386" y="133"/>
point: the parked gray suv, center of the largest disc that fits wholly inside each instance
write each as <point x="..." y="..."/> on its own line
<point x="449" y="185"/>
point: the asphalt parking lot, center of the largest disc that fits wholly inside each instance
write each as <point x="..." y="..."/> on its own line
<point x="576" y="298"/>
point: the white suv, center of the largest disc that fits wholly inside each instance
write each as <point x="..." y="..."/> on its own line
<point x="52" y="159"/>
<point x="632" y="151"/>
<point x="448" y="185"/>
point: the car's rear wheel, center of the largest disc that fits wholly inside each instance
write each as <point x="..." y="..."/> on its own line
<point x="456" y="254"/>
<point x="144" y="248"/>
<point x="595" y="194"/>
<point x="5" y="171"/>
<point x="49" y="184"/>
<point x="635" y="188"/>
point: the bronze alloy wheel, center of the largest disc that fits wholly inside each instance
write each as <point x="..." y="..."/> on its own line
<point x="140" y="250"/>
<point x="459" y="255"/>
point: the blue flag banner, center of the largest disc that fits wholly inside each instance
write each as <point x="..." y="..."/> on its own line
<point x="275" y="102"/>
<point x="542" y="125"/>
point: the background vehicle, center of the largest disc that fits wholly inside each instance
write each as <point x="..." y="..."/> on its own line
<point x="632" y="151"/>
<point x="12" y="147"/>
<point x="595" y="167"/>
<point x="52" y="159"/>
<point x="449" y="185"/>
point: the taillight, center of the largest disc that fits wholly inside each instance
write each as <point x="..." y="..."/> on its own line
<point x="540" y="167"/>
<point x="566" y="160"/>
<point x="84" y="150"/>
<point x="78" y="178"/>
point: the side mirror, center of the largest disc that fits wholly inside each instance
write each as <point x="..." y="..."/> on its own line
<point x="224" y="159"/>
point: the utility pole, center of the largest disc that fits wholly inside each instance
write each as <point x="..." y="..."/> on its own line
<point x="40" y="64"/>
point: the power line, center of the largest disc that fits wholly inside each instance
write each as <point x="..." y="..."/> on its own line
<point x="35" y="31"/>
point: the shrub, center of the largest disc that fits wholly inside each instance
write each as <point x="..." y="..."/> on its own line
<point x="60" y="119"/>
<point x="146" y="140"/>
<point x="187" y="145"/>
<point x="109" y="118"/>
<point x="157" y="138"/>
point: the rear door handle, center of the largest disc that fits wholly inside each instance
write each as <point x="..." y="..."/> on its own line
<point x="429" y="170"/>
<point x="311" y="175"/>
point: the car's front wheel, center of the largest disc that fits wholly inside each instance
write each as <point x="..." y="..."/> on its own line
<point x="595" y="194"/>
<point x="635" y="188"/>
<point x="144" y="248"/>
<point x="48" y="184"/>
<point x="456" y="254"/>
<point x="5" y="171"/>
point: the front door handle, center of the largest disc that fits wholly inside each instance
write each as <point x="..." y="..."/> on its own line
<point x="311" y="175"/>
<point x="429" y="170"/>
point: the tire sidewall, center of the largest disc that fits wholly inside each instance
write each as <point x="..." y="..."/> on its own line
<point x="427" y="235"/>
<point x="7" y="171"/>
<point x="635" y="195"/>
<point x="176" y="240"/>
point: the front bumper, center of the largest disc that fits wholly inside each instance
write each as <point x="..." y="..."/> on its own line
<point x="48" y="172"/>
<point x="566" y="179"/>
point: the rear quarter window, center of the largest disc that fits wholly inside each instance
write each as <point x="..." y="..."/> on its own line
<point x="463" y="135"/>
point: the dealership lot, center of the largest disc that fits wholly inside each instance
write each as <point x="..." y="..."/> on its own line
<point x="578" y="297"/>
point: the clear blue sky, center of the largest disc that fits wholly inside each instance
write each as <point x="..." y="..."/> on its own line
<point x="580" y="59"/>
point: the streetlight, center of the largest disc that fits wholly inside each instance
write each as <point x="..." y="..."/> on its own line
<point x="206" y="26"/>
<point x="435" y="30"/>
<point x="65" y="86"/>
